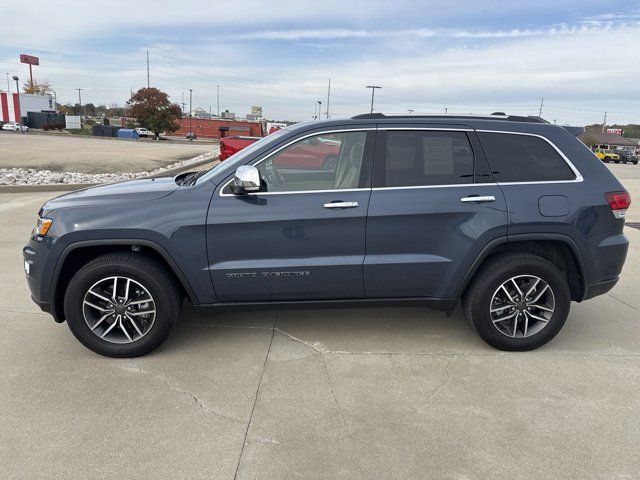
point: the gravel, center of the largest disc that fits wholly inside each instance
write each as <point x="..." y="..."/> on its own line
<point x="30" y="176"/>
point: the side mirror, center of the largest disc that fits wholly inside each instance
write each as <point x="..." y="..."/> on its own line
<point x="246" y="180"/>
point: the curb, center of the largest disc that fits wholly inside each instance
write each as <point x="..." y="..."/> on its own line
<point x="67" y="187"/>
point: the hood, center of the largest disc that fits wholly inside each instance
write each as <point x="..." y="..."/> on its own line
<point x="123" y="192"/>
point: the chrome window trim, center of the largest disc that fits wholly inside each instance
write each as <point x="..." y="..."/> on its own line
<point x="314" y="134"/>
<point x="579" y="178"/>
<point x="453" y="129"/>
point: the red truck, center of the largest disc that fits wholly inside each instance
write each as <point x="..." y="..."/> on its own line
<point x="312" y="153"/>
<point x="233" y="144"/>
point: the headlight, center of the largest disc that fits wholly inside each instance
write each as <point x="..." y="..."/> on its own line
<point x="42" y="227"/>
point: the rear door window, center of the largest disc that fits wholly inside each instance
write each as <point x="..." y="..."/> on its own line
<point x="524" y="158"/>
<point x="424" y="158"/>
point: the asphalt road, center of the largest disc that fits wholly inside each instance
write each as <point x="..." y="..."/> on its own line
<point x="65" y="153"/>
<point x="327" y="394"/>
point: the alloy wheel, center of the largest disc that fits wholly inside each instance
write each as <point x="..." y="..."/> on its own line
<point x="522" y="306"/>
<point x="119" y="309"/>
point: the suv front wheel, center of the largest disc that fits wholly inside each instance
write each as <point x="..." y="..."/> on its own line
<point x="122" y="304"/>
<point x="517" y="302"/>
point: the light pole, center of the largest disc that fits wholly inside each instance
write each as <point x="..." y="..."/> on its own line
<point x="373" y="91"/>
<point x="190" y="114"/>
<point x="319" y="109"/>
<point x="18" y="120"/>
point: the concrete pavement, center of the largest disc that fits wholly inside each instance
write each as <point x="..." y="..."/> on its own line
<point x="353" y="394"/>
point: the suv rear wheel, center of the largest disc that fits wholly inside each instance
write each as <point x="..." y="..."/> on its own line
<point x="517" y="302"/>
<point x="122" y="304"/>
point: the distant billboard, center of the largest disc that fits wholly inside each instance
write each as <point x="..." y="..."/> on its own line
<point x="29" y="59"/>
<point x="256" y="110"/>
<point x="615" y="131"/>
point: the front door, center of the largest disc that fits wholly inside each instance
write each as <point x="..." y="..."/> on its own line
<point x="302" y="237"/>
<point x="433" y="207"/>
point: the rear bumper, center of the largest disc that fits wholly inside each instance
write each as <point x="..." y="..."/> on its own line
<point x="608" y="259"/>
<point x="600" y="288"/>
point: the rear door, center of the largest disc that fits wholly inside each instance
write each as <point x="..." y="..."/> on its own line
<point x="433" y="207"/>
<point x="303" y="236"/>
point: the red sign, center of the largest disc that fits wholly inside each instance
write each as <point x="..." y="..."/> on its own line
<point x="29" y="59"/>
<point x="615" y="131"/>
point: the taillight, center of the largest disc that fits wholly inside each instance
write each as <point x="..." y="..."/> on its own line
<point x="619" y="202"/>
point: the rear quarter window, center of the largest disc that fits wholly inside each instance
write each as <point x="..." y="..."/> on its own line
<point x="524" y="158"/>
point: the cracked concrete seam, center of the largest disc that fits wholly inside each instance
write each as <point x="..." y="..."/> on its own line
<point x="623" y="302"/>
<point x="198" y="402"/>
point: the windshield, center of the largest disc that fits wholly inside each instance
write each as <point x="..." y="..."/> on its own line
<point x="238" y="158"/>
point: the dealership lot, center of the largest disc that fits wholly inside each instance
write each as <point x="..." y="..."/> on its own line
<point x="361" y="393"/>
<point x="65" y="153"/>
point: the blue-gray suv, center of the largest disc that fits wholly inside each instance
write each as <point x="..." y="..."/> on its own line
<point x="512" y="216"/>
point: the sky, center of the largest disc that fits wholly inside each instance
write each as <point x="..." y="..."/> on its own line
<point x="461" y="56"/>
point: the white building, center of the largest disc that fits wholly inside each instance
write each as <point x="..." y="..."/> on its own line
<point x="13" y="109"/>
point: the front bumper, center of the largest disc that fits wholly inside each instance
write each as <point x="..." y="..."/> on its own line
<point x="39" y="264"/>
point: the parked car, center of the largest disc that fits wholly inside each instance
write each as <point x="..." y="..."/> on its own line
<point x="626" y="156"/>
<point x="309" y="154"/>
<point x="233" y="144"/>
<point x="144" y="133"/>
<point x="607" y="155"/>
<point x="191" y="136"/>
<point x="510" y="216"/>
<point x="15" y="127"/>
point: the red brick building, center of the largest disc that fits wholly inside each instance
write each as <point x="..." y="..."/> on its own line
<point x="210" y="128"/>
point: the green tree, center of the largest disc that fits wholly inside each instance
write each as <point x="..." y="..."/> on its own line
<point x="153" y="110"/>
<point x="36" y="87"/>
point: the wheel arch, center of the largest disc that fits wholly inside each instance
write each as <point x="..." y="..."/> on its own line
<point x="77" y="254"/>
<point x="559" y="249"/>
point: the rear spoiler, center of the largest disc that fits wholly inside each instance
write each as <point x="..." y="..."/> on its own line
<point x="575" y="131"/>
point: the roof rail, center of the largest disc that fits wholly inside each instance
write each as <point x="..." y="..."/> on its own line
<point x="493" y="116"/>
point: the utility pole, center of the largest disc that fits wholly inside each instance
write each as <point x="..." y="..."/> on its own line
<point x="373" y="91"/>
<point x="319" y="109"/>
<point x="148" y="83"/>
<point x="446" y="110"/>
<point x="328" y="96"/>
<point x="410" y="110"/>
<point x="541" y="105"/>
<point x="315" y="109"/>
<point x="604" y="122"/>
<point x="190" y="114"/>
<point x="218" y="99"/>
<point x="80" y="99"/>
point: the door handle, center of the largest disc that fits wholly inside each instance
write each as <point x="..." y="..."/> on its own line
<point x="341" y="205"/>
<point x="478" y="198"/>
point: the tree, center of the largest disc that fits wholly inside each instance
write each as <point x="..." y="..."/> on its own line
<point x="36" y="87"/>
<point x="154" y="111"/>
<point x="588" y="139"/>
<point x="89" y="109"/>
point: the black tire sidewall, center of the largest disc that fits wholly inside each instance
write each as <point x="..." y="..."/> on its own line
<point x="480" y="308"/>
<point x="166" y="313"/>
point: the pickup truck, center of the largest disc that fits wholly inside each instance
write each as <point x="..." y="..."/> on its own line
<point x="233" y="144"/>
<point x="317" y="154"/>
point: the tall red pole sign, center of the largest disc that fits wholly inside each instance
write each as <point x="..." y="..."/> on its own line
<point x="29" y="60"/>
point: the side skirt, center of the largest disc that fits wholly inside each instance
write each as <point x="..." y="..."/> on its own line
<point x="444" y="304"/>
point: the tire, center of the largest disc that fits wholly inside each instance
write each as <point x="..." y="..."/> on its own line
<point x="330" y="163"/>
<point x="481" y="294"/>
<point x="137" y="275"/>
